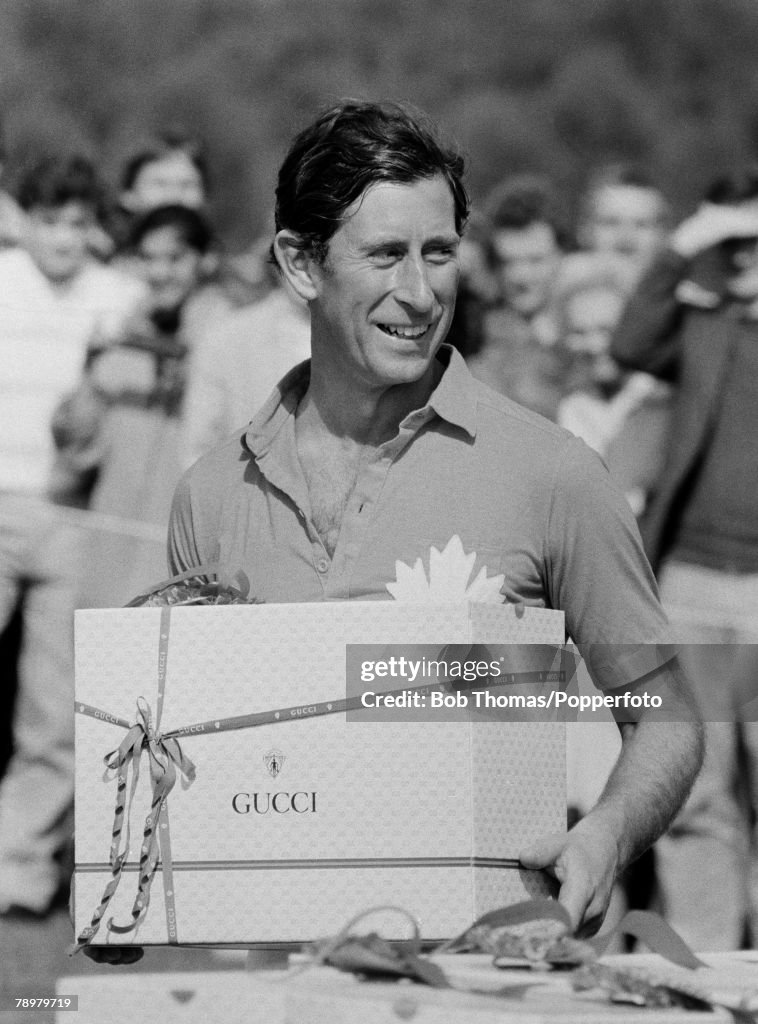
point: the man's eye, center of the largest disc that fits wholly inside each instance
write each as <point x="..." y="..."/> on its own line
<point x="444" y="254"/>
<point x="385" y="257"/>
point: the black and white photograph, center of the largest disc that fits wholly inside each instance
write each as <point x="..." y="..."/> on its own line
<point x="378" y="511"/>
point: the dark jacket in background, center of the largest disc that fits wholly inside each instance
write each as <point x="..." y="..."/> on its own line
<point x="679" y="327"/>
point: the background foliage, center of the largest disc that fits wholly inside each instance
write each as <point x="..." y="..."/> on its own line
<point x="552" y="85"/>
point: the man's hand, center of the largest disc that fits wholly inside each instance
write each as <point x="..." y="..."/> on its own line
<point x="585" y="862"/>
<point x="712" y="224"/>
<point x="659" y="759"/>
<point x="114" y="954"/>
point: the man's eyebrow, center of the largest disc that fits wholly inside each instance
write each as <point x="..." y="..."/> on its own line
<point x="393" y="241"/>
<point x="444" y="239"/>
<point x="382" y="242"/>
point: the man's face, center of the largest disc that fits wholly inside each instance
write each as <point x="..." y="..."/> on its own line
<point x="627" y="220"/>
<point x="528" y="259"/>
<point x="386" y="291"/>
<point x="57" y="238"/>
<point x="169" y="266"/>
<point x="172" y="179"/>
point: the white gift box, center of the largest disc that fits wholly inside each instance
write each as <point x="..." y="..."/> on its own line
<point x="293" y="826"/>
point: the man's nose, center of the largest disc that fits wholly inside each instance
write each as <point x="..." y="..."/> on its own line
<point x="413" y="287"/>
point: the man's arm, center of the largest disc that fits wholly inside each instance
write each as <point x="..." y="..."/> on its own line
<point x="646" y="337"/>
<point x="660" y="756"/>
<point x="598" y="574"/>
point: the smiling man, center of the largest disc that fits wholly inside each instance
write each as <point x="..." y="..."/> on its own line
<point x="382" y="448"/>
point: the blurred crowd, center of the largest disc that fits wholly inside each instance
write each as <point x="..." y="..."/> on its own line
<point x="132" y="343"/>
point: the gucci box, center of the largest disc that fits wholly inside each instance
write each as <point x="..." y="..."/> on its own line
<point x="241" y="803"/>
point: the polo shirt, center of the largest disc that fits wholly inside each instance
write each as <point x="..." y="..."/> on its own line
<point x="475" y="498"/>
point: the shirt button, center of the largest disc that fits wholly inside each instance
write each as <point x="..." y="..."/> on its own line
<point x="323" y="565"/>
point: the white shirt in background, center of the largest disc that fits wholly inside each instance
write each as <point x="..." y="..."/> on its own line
<point x="44" y="333"/>
<point x="237" y="365"/>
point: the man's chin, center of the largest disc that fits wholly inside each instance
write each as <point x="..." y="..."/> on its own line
<point x="409" y="370"/>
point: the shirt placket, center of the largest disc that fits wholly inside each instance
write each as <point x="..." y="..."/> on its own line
<point x="337" y="574"/>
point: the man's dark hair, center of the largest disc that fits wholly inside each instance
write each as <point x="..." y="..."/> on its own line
<point x="191" y="226"/>
<point x="348" y="148"/>
<point x="164" y="145"/>
<point x="54" y="181"/>
<point x="526" y="199"/>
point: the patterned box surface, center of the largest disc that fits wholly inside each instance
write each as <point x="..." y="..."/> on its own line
<point x="291" y="827"/>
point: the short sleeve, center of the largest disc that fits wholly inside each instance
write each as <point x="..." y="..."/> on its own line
<point x="599" y="574"/>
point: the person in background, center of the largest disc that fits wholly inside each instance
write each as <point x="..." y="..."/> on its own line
<point x="623" y="223"/>
<point x="528" y="241"/>
<point x="478" y="289"/>
<point x="120" y="433"/>
<point x="54" y="298"/>
<point x="622" y="415"/>
<point x="173" y="169"/>
<point x="238" y="363"/>
<point x="12" y="225"/>
<point x="693" y="321"/>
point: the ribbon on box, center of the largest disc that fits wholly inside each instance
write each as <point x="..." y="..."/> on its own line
<point x="168" y="763"/>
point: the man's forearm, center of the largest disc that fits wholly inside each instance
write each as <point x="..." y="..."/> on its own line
<point x="656" y="768"/>
<point x="645" y="336"/>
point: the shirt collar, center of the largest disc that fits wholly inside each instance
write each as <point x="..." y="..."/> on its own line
<point x="455" y="397"/>
<point x="278" y="408"/>
<point x="453" y="400"/>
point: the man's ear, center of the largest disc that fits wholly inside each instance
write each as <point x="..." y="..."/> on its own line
<point x="296" y="263"/>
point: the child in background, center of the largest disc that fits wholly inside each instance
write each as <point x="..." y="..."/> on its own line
<point x="53" y="297"/>
<point x="172" y="168"/>
<point x="120" y="431"/>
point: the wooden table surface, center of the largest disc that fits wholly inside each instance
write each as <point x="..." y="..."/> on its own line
<point x="322" y="995"/>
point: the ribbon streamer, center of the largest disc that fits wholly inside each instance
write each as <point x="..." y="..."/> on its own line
<point x="165" y="758"/>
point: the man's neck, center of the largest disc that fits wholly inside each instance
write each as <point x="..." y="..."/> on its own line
<point x="341" y="409"/>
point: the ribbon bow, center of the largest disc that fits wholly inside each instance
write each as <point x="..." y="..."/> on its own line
<point x="166" y="759"/>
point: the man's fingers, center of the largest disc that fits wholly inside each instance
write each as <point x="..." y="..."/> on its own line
<point x="545" y="853"/>
<point x="566" y="859"/>
<point x="575" y="895"/>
